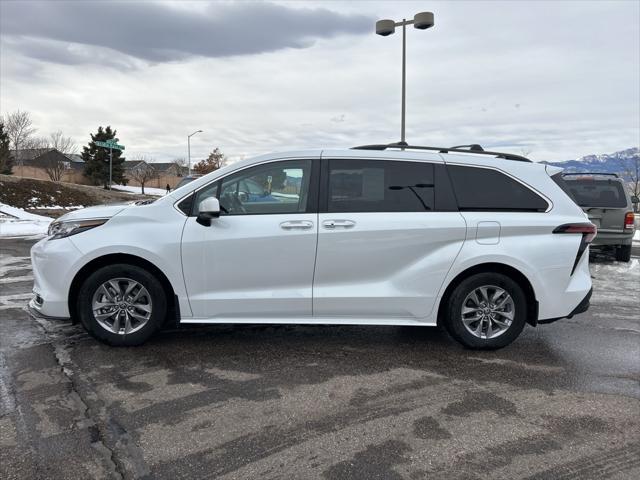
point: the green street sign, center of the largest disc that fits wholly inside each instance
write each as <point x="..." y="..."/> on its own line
<point x="110" y="144"/>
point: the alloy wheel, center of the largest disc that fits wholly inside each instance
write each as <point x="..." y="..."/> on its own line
<point x="121" y="306"/>
<point x="488" y="311"/>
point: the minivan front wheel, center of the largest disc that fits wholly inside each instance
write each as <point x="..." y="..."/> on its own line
<point x="122" y="304"/>
<point x="486" y="311"/>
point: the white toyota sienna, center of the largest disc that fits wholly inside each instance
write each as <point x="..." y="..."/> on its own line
<point x="478" y="242"/>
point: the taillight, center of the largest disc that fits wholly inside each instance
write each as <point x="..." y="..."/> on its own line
<point x="588" y="230"/>
<point x="629" y="218"/>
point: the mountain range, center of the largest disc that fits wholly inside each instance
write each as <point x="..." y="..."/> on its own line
<point x="617" y="162"/>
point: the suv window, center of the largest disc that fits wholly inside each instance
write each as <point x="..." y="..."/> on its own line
<point x="483" y="189"/>
<point x="560" y="181"/>
<point x="380" y="186"/>
<point x="597" y="193"/>
<point x="273" y="188"/>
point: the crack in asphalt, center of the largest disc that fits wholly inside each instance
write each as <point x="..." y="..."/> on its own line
<point x="124" y="454"/>
<point x="98" y="439"/>
<point x="112" y="441"/>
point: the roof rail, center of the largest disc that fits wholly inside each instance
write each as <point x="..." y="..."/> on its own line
<point x="473" y="148"/>
<point x="591" y="173"/>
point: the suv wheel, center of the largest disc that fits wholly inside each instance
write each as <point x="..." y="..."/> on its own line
<point x="122" y="304"/>
<point x="486" y="311"/>
<point x="623" y="253"/>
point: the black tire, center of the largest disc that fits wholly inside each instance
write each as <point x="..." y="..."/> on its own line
<point x="623" y="253"/>
<point x="453" y="314"/>
<point x="144" y="278"/>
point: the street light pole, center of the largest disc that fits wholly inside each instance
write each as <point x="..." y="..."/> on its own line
<point x="404" y="78"/>
<point x="189" y="147"/>
<point x="421" y="21"/>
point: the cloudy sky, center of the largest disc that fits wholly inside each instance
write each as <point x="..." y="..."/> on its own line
<point x="556" y="79"/>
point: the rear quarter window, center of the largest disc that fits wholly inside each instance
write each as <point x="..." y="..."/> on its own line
<point x="483" y="189"/>
<point x="564" y="186"/>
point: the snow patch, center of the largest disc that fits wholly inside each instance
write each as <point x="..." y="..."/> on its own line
<point x="156" y="192"/>
<point x="15" y="222"/>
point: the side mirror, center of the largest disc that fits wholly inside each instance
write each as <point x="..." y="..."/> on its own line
<point x="209" y="208"/>
<point x="635" y="199"/>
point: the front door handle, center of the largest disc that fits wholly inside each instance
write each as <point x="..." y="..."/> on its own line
<point x="296" y="225"/>
<point x="332" y="224"/>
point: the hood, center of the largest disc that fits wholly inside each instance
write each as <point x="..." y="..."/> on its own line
<point x="99" y="211"/>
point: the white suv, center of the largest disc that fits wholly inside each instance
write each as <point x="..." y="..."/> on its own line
<point x="479" y="242"/>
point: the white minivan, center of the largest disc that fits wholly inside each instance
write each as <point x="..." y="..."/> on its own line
<point x="479" y="242"/>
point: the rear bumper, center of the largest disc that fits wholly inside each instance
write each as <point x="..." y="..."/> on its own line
<point x="582" y="307"/>
<point x="604" y="239"/>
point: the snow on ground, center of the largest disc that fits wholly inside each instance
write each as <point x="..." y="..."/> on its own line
<point x="158" y="192"/>
<point x="57" y="207"/>
<point x="15" y="222"/>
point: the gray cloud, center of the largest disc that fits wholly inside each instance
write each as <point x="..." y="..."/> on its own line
<point x="159" y="33"/>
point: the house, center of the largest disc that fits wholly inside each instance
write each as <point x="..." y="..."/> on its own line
<point x="170" y="169"/>
<point x="48" y="164"/>
<point x="164" y="174"/>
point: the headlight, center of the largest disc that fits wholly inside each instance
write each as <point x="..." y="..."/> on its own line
<point x="63" y="229"/>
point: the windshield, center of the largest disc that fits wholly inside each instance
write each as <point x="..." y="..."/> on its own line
<point x="184" y="181"/>
<point x="598" y="193"/>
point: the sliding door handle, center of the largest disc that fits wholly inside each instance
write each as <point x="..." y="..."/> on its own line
<point x="333" y="224"/>
<point x="296" y="225"/>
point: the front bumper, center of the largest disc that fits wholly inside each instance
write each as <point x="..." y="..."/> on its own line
<point x="582" y="307"/>
<point x="53" y="263"/>
<point x="34" y="311"/>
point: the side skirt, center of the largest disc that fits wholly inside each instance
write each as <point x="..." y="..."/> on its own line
<point x="312" y="321"/>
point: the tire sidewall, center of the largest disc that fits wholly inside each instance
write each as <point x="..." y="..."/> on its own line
<point x="453" y="321"/>
<point x="148" y="280"/>
<point x="623" y="253"/>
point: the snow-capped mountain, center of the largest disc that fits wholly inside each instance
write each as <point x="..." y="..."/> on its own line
<point x="617" y="162"/>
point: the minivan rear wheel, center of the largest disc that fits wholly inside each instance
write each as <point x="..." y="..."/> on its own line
<point x="122" y="304"/>
<point x="486" y="311"/>
<point x="623" y="253"/>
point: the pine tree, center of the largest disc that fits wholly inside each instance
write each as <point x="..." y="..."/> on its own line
<point x="6" y="160"/>
<point x="96" y="159"/>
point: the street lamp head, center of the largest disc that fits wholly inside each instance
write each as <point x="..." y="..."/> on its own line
<point x="385" y="27"/>
<point x="423" y="20"/>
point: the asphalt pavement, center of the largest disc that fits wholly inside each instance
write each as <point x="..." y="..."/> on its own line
<point x="304" y="402"/>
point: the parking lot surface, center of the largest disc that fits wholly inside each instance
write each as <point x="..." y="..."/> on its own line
<point x="563" y="401"/>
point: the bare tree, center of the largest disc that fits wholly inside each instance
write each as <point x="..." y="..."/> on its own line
<point x="64" y="145"/>
<point x="525" y="151"/>
<point x="632" y="172"/>
<point x="54" y="164"/>
<point x="143" y="172"/>
<point x="55" y="168"/>
<point x="19" y="128"/>
<point x="179" y="166"/>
